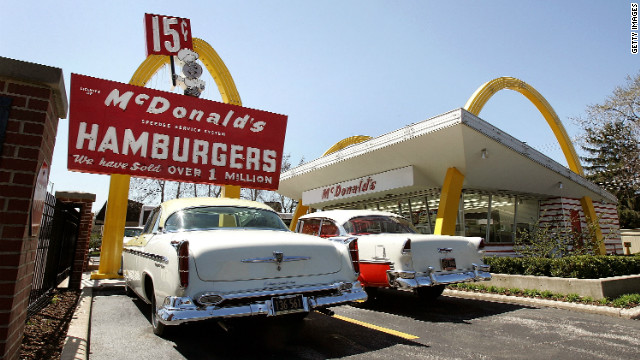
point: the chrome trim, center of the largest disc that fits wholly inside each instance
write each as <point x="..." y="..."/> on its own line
<point x="432" y="277"/>
<point x="146" y="255"/>
<point x="176" y="310"/>
<point x="378" y="262"/>
<point x="276" y="260"/>
<point x="277" y="292"/>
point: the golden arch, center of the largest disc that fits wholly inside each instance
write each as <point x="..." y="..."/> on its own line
<point x="479" y="98"/>
<point x="477" y="101"/>
<point x="302" y="209"/>
<point x="119" y="184"/>
<point x="346" y="142"/>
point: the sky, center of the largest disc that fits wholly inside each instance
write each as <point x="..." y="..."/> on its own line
<point x="339" y="68"/>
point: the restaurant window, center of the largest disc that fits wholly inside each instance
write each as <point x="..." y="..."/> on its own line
<point x="404" y="209"/>
<point x="420" y="214"/>
<point x="475" y="211"/>
<point x="501" y="229"/>
<point x="389" y="206"/>
<point x="527" y="211"/>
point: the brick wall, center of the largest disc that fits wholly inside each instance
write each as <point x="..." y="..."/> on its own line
<point x="29" y="141"/>
<point x="84" y="201"/>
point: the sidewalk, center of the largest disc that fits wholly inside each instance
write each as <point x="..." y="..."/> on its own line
<point x="76" y="346"/>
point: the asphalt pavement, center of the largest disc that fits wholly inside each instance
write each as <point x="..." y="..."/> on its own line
<point x="77" y="343"/>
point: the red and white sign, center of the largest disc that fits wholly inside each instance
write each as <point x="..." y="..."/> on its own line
<point x="366" y="185"/>
<point x="166" y="35"/>
<point x="117" y="128"/>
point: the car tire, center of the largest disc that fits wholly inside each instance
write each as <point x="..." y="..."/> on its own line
<point x="159" y="328"/>
<point x="372" y="294"/>
<point x="430" y="293"/>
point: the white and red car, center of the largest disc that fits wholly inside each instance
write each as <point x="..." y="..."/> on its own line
<point x="394" y="255"/>
<point x="205" y="258"/>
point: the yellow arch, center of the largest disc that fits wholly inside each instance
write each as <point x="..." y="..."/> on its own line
<point x="211" y="61"/>
<point x="477" y="101"/>
<point x="302" y="209"/>
<point x="346" y="142"/>
<point x="115" y="217"/>
<point x="479" y="98"/>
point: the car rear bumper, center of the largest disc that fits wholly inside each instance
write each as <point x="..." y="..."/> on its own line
<point x="176" y="310"/>
<point x="411" y="279"/>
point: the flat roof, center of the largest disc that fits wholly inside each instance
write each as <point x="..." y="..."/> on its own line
<point x="37" y="74"/>
<point x="454" y="139"/>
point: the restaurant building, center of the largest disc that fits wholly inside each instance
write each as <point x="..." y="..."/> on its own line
<point x="506" y="185"/>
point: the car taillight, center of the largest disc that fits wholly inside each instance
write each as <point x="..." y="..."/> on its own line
<point x="406" y="248"/>
<point x="355" y="258"/>
<point x="183" y="263"/>
<point x="481" y="245"/>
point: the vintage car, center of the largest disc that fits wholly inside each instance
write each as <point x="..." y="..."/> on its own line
<point x="206" y="258"/>
<point x="130" y="232"/>
<point x="394" y="255"/>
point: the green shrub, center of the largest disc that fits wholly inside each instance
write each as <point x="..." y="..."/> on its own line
<point x="587" y="299"/>
<point x="573" y="297"/>
<point x="604" y="301"/>
<point x="531" y="292"/>
<point x="554" y="239"/>
<point x="547" y="294"/>
<point x="515" y="291"/>
<point x="95" y="241"/>
<point x="627" y="300"/>
<point x="578" y="266"/>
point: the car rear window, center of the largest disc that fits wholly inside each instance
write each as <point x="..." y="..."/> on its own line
<point x="376" y="224"/>
<point x="227" y="217"/>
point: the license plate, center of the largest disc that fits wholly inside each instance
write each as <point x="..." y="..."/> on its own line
<point x="287" y="304"/>
<point x="448" y="264"/>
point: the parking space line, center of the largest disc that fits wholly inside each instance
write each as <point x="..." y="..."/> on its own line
<point x="376" y="327"/>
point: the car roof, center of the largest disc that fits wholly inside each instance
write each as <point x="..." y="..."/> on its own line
<point x="342" y="216"/>
<point x="171" y="206"/>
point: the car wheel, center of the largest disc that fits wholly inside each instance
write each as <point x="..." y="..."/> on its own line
<point x="372" y="294"/>
<point x="430" y="293"/>
<point x="159" y="328"/>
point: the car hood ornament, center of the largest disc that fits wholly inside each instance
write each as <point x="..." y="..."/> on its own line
<point x="278" y="258"/>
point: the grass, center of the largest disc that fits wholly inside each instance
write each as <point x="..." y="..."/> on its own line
<point x="624" y="301"/>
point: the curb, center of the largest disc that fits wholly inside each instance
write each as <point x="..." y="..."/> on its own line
<point x="633" y="314"/>
<point x="76" y="345"/>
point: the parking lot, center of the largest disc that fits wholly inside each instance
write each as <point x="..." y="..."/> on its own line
<point x="398" y="326"/>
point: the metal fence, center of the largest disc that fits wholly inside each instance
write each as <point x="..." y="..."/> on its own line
<point x="55" y="252"/>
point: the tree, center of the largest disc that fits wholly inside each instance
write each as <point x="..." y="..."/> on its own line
<point x="287" y="205"/>
<point x="612" y="143"/>
<point x="147" y="191"/>
<point x="155" y="191"/>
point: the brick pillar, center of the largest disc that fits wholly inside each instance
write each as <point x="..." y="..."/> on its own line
<point x="35" y="98"/>
<point x="84" y="201"/>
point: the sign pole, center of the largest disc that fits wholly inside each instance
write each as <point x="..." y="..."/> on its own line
<point x="173" y="71"/>
<point x="114" y="223"/>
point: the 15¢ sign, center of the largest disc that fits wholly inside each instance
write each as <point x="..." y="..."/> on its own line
<point x="166" y="35"/>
